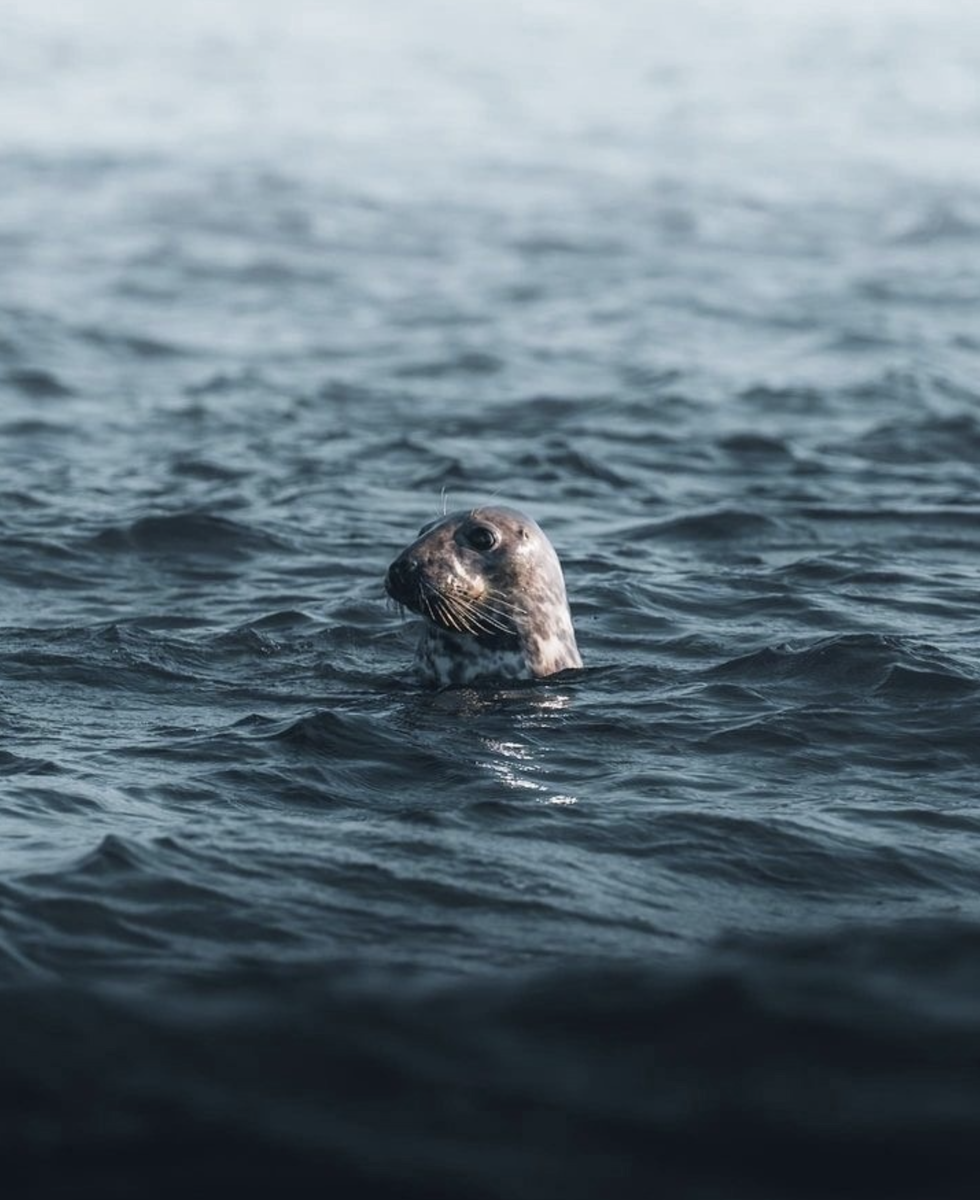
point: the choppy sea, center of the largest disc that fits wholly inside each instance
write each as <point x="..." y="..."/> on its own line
<point x="697" y="285"/>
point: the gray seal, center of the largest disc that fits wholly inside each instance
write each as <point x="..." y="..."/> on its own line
<point x="490" y="590"/>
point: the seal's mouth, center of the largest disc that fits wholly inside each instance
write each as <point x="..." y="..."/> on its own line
<point x="452" y="610"/>
<point x="407" y="586"/>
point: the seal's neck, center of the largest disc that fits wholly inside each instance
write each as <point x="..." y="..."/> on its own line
<point x="549" y="644"/>
<point x="445" y="658"/>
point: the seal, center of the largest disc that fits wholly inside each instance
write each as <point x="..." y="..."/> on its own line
<point x="490" y="589"/>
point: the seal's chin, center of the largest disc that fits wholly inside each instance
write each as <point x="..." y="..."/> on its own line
<point x="395" y="592"/>
<point x="412" y="601"/>
<point x="406" y="587"/>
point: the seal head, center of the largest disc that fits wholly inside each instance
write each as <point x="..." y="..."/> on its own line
<point x="490" y="589"/>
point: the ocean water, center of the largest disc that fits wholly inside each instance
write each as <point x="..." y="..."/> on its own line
<point x="696" y="285"/>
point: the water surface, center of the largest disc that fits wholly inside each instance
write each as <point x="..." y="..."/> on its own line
<point x="698" y="289"/>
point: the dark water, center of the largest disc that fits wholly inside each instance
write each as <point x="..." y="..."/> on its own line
<point x="699" y="290"/>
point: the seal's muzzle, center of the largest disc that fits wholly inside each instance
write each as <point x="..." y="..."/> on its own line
<point x="402" y="580"/>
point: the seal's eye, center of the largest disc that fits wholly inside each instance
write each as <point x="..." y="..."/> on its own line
<point x="482" y="537"/>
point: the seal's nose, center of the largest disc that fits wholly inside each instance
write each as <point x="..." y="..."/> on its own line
<point x="401" y="581"/>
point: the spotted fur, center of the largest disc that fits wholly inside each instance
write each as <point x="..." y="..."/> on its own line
<point x="490" y="590"/>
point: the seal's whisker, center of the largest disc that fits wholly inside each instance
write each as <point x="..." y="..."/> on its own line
<point x="491" y="606"/>
<point x="476" y="626"/>
<point x="442" y="608"/>
<point x="466" y="621"/>
<point x="492" y="624"/>
<point x="484" y="618"/>
<point x="433" y="607"/>
<point x="449" y="616"/>
<point x="505" y="620"/>
<point x="458" y="607"/>
<point x="489" y="626"/>
<point x="503" y="604"/>
<point x="464" y="614"/>
<point x="425" y="603"/>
